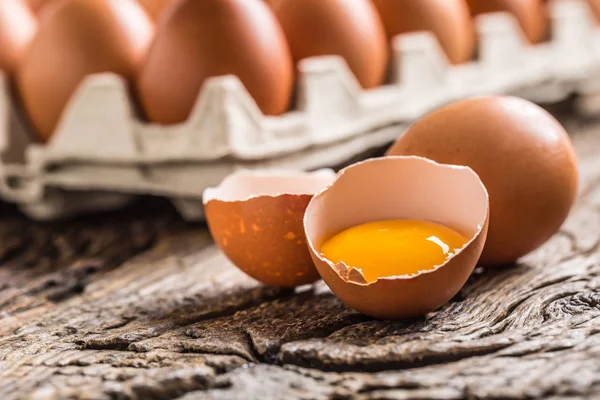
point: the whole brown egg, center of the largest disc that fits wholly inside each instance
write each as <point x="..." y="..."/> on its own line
<point x="449" y="20"/>
<point x="197" y="40"/>
<point x="75" y="39"/>
<point x="351" y="29"/>
<point x="531" y="14"/>
<point x="523" y="156"/>
<point x="17" y="28"/>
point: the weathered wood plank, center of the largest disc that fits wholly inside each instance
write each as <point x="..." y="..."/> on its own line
<point x="138" y="305"/>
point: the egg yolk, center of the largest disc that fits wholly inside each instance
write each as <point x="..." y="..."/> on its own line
<point x="393" y="247"/>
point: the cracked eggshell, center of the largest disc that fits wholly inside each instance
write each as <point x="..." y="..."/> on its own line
<point x="255" y="217"/>
<point x="399" y="188"/>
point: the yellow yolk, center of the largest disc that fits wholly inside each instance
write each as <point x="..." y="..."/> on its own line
<point x="395" y="247"/>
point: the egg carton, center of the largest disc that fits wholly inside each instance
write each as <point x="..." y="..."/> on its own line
<point x="102" y="155"/>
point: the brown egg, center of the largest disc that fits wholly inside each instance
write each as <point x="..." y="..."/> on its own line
<point x="40" y="7"/>
<point x="449" y="20"/>
<point x="37" y="5"/>
<point x="399" y="188"/>
<point x="348" y="28"/>
<point x="523" y="156"/>
<point x="532" y="15"/>
<point x="155" y="7"/>
<point x="202" y="39"/>
<point x="595" y="7"/>
<point x="75" y="39"/>
<point x="255" y="217"/>
<point x="17" y="28"/>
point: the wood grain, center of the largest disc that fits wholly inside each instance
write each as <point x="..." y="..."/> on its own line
<point x="137" y="304"/>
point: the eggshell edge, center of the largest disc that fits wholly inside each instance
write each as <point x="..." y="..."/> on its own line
<point x="214" y="193"/>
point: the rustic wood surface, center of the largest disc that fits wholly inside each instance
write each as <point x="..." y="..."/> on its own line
<point x="136" y="304"/>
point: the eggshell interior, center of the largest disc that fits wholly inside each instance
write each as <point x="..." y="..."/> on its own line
<point x="246" y="184"/>
<point x="397" y="188"/>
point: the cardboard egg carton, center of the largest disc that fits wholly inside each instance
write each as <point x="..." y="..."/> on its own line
<point x="102" y="155"/>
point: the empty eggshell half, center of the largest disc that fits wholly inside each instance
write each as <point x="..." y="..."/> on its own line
<point x="401" y="187"/>
<point x="256" y="219"/>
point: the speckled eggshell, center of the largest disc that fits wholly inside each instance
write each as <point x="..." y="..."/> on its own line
<point x="197" y="40"/>
<point x="449" y="20"/>
<point x="18" y="26"/>
<point x="77" y="38"/>
<point x="351" y="29"/>
<point x="255" y="217"/>
<point x="532" y="15"/>
<point x="523" y="156"/>
<point x="399" y="188"/>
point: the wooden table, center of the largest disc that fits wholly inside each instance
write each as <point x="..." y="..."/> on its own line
<point x="137" y="304"/>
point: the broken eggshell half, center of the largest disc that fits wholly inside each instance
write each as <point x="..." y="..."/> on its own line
<point x="255" y="218"/>
<point x="400" y="187"/>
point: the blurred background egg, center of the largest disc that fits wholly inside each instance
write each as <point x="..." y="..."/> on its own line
<point x="449" y="20"/>
<point x="351" y="29"/>
<point x="531" y="15"/>
<point x="37" y="5"/>
<point x="77" y="38"/>
<point x="155" y="7"/>
<point x="18" y="26"/>
<point x="523" y="156"/>
<point x="197" y="40"/>
<point x="595" y="7"/>
<point x="40" y="7"/>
